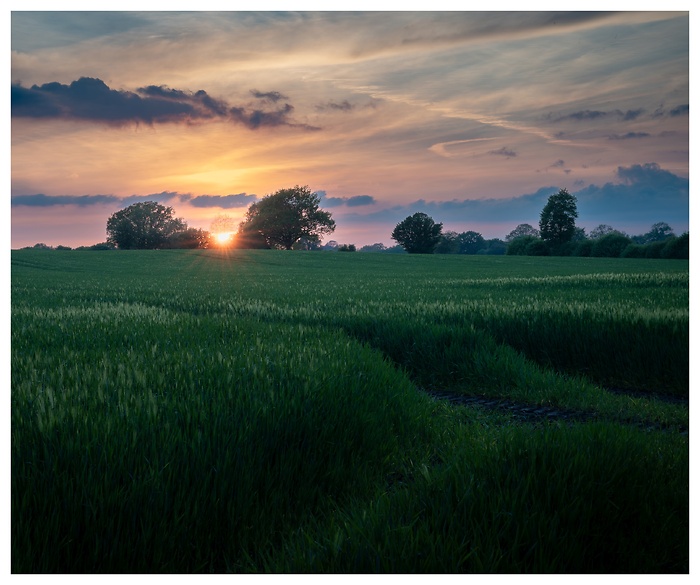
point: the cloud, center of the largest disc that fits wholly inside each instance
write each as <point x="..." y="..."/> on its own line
<point x="273" y="96"/>
<point x="507" y="152"/>
<point x="587" y="115"/>
<point x="355" y="201"/>
<point x="254" y="119"/>
<point x="162" y="197"/>
<point x="632" y="114"/>
<point x="584" y="115"/>
<point x="682" y="110"/>
<point x="344" y="106"/>
<point x="90" y="99"/>
<point x="223" y="201"/>
<point x="41" y="200"/>
<point x="645" y="195"/>
<point x="628" y="136"/>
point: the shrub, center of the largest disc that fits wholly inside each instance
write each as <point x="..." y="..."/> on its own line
<point x="633" y="251"/>
<point x="678" y="248"/>
<point x="518" y="246"/>
<point x="536" y="248"/>
<point x="583" y="248"/>
<point x="610" y="246"/>
<point x="653" y="250"/>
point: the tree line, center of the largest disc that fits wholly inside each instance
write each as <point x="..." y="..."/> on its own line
<point x="292" y="219"/>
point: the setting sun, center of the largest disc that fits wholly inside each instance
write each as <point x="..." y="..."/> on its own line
<point x="223" y="238"/>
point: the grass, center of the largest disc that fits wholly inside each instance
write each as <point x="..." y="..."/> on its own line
<point x="262" y="411"/>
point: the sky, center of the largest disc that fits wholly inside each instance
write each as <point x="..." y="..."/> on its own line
<point x="472" y="117"/>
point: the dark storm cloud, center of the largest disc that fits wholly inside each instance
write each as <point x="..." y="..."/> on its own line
<point x="273" y="96"/>
<point x="355" y="201"/>
<point x="223" y="201"/>
<point x="41" y="200"/>
<point x="628" y="136"/>
<point x="507" y="152"/>
<point x="92" y="100"/>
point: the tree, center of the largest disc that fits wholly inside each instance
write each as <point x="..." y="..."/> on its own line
<point x="470" y="242"/>
<point x="284" y="217"/>
<point x="602" y="230"/>
<point x="418" y="234"/>
<point x="518" y="246"/>
<point x="191" y="238"/>
<point x="558" y="219"/>
<point x="524" y="229"/>
<point x="146" y="225"/>
<point x="448" y="244"/>
<point x="378" y="247"/>
<point x="677" y="247"/>
<point x="658" y="233"/>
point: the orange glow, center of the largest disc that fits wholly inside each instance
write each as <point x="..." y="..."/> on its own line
<point x="223" y="238"/>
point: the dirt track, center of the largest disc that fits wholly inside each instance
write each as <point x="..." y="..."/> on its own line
<point x="529" y="413"/>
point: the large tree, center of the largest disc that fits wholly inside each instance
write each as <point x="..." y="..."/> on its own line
<point x="523" y="229"/>
<point x="284" y="217"/>
<point x="146" y="225"/>
<point x="558" y="219"/>
<point x="418" y="234"/>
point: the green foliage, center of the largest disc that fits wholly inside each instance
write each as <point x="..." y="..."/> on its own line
<point x="518" y="245"/>
<point x="658" y="233"/>
<point x="143" y="226"/>
<point x="678" y="248"/>
<point x="524" y="229"/>
<point x="633" y="251"/>
<point x="186" y="411"/>
<point x="582" y="248"/>
<point x="558" y="218"/>
<point x="536" y="248"/>
<point x="418" y="234"/>
<point x="282" y="218"/>
<point x="188" y="239"/>
<point x="493" y="247"/>
<point x="610" y="245"/>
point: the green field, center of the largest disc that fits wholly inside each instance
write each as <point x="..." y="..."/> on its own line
<point x="268" y="411"/>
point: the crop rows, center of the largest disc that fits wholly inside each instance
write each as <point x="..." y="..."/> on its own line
<point x="260" y="411"/>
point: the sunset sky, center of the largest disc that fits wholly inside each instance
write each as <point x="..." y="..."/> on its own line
<point x="472" y="117"/>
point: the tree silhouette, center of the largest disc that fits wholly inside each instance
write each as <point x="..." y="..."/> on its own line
<point x="418" y="234"/>
<point x="284" y="217"/>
